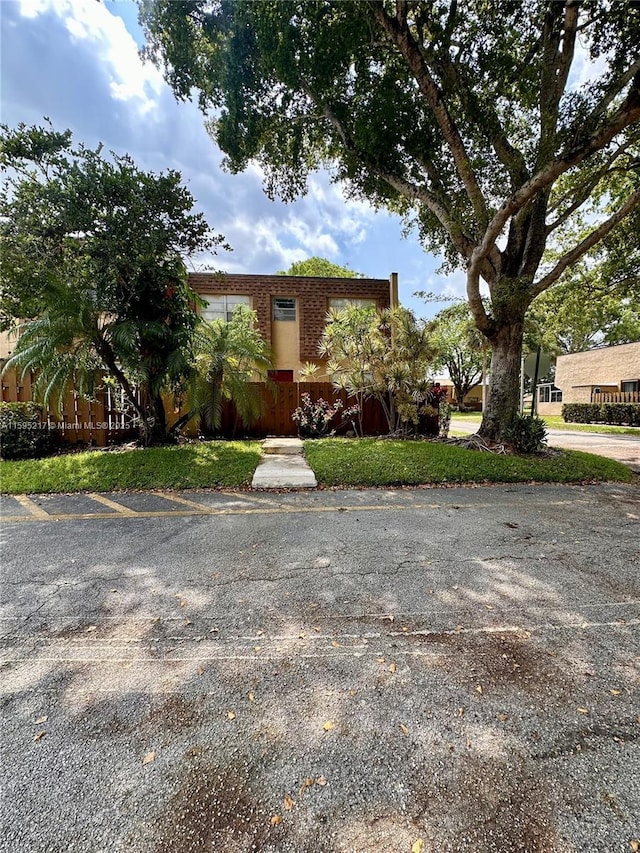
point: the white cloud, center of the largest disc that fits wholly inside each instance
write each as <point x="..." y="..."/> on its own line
<point x="88" y="21"/>
<point x="257" y="246"/>
<point x="313" y="240"/>
<point x="76" y="61"/>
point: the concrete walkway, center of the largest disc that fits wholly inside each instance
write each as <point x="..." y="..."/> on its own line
<point x="283" y="466"/>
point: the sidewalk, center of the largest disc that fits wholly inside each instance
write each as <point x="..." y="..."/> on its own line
<point x="283" y="466"/>
<point x="622" y="448"/>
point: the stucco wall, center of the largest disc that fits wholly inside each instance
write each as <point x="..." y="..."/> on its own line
<point x="606" y="368"/>
<point x="547" y="409"/>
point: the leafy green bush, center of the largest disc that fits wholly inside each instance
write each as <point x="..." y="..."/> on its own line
<point x="22" y="435"/>
<point x="621" y="413"/>
<point x="580" y="413"/>
<point x="607" y="413"/>
<point x="527" y="434"/>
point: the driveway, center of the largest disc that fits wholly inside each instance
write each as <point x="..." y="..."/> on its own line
<point x="623" y="448"/>
<point x="384" y="670"/>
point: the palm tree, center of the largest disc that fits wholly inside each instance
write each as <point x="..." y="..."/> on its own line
<point x="228" y="357"/>
<point x="70" y="346"/>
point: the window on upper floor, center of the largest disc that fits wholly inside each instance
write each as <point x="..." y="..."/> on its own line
<point x="284" y="308"/>
<point x="222" y="307"/>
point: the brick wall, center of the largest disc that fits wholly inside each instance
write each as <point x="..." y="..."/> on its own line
<point x="312" y="293"/>
<point x="605" y="367"/>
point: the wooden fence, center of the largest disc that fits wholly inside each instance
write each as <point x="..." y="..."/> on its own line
<point x="616" y="397"/>
<point x="102" y="421"/>
<point x="106" y="419"/>
<point x="280" y="402"/>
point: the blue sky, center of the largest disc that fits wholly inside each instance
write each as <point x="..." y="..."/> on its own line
<point x="76" y="62"/>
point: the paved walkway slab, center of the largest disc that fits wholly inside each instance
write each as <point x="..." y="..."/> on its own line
<point x="283" y="466"/>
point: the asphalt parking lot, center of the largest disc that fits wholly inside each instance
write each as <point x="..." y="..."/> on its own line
<point x="377" y="670"/>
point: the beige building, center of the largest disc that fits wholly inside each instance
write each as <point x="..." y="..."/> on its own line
<point x="584" y="377"/>
<point x="472" y="400"/>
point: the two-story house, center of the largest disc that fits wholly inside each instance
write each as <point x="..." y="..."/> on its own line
<point x="291" y="310"/>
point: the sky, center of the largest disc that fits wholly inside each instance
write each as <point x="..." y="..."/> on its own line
<point x="76" y="62"/>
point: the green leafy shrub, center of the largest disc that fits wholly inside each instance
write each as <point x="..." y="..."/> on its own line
<point x="607" y="413"/>
<point x="580" y="413"/>
<point x="22" y="435"/>
<point x="527" y="434"/>
<point x="621" y="413"/>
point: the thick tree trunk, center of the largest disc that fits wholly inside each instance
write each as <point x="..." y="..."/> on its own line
<point x="504" y="388"/>
<point x="157" y="423"/>
<point x="153" y="423"/>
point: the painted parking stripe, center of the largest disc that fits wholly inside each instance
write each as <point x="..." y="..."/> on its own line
<point x="33" y="508"/>
<point x="122" y="512"/>
<point x="119" y="508"/>
<point x="180" y="500"/>
<point x="275" y="510"/>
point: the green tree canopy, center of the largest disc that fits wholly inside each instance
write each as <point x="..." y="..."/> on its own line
<point x="321" y="268"/>
<point x="597" y="300"/>
<point x="460" y="347"/>
<point x="93" y="250"/>
<point x="584" y="312"/>
<point x="461" y="117"/>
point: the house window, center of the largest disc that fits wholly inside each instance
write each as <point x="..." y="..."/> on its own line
<point x="630" y="385"/>
<point x="340" y="303"/>
<point x="222" y="307"/>
<point x="284" y="308"/>
<point x="549" y="394"/>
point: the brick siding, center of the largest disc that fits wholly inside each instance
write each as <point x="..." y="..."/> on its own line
<point x="312" y="293"/>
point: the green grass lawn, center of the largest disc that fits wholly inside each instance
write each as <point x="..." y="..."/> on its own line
<point x="382" y="462"/>
<point x="552" y="422"/>
<point x="211" y="464"/>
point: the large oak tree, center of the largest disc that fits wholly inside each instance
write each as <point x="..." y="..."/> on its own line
<point x="468" y="118"/>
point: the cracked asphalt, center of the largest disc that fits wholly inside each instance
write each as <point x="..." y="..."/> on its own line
<point x="336" y="672"/>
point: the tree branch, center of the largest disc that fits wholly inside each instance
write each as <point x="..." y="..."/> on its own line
<point x="592" y="182"/>
<point x="625" y="115"/>
<point x="582" y="195"/>
<point x="400" y="35"/>
<point x="613" y="89"/>
<point x="476" y="305"/>
<point x="583" y="247"/>
<point x="406" y="188"/>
